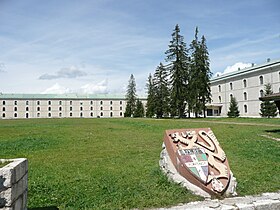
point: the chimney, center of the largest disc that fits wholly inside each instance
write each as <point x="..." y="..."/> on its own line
<point x="268" y="60"/>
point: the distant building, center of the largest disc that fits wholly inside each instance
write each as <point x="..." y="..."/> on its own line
<point x="246" y="85"/>
<point x="16" y="106"/>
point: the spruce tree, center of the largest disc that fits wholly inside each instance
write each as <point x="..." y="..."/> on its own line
<point x="199" y="76"/>
<point x="139" y="110"/>
<point x="161" y="91"/>
<point x="233" y="108"/>
<point x="150" y="106"/>
<point x="130" y="97"/>
<point x="268" y="108"/>
<point x="177" y="55"/>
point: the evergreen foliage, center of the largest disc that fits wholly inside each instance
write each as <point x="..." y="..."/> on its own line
<point x="268" y="108"/>
<point x="130" y="97"/>
<point x="139" y="111"/>
<point x="150" y="106"/>
<point x="161" y="89"/>
<point x="177" y="55"/>
<point x="233" y="108"/>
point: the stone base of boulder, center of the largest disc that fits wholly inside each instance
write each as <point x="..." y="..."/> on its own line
<point x="13" y="184"/>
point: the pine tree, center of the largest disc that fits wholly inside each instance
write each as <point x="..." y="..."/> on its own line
<point x="177" y="55"/>
<point x="233" y="108"/>
<point x="150" y="111"/>
<point x="199" y="76"/>
<point x="139" y="110"/>
<point x="130" y="97"/>
<point x="161" y="91"/>
<point x="268" y="108"/>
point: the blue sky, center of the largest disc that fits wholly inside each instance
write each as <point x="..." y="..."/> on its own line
<point x="92" y="46"/>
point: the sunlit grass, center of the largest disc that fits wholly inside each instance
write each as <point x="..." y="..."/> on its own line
<point x="113" y="163"/>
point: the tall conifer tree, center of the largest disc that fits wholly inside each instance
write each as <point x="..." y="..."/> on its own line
<point x="161" y="91"/>
<point x="177" y="55"/>
<point x="233" y="108"/>
<point x="130" y="97"/>
<point x="150" y="106"/>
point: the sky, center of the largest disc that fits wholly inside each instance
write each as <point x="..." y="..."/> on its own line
<point x="93" y="46"/>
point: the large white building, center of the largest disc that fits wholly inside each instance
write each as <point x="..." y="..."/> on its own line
<point x="13" y="106"/>
<point x="246" y="85"/>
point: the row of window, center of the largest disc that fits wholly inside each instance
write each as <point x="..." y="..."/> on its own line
<point x="60" y="108"/>
<point x="60" y="114"/>
<point x="245" y="96"/>
<point x="244" y="84"/>
<point x="60" y="103"/>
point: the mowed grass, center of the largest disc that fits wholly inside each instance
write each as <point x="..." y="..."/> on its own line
<point x="113" y="163"/>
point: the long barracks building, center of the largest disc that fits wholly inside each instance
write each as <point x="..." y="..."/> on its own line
<point x="246" y="85"/>
<point x="13" y="106"/>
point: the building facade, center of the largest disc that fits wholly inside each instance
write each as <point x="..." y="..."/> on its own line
<point x="247" y="86"/>
<point x="18" y="106"/>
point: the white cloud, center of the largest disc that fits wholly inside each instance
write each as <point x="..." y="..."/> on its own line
<point x="99" y="88"/>
<point x="235" y="67"/>
<point x="56" y="89"/>
<point x="69" y="72"/>
<point x="2" y="67"/>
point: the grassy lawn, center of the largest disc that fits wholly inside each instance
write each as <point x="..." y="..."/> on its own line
<point x="113" y="163"/>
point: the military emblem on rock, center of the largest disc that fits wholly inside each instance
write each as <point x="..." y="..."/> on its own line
<point x="199" y="158"/>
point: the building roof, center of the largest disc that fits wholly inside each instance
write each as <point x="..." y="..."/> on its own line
<point x="72" y="96"/>
<point x="245" y="71"/>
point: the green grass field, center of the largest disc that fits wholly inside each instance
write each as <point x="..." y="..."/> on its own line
<point x="113" y="163"/>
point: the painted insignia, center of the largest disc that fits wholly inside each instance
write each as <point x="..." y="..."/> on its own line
<point x="198" y="157"/>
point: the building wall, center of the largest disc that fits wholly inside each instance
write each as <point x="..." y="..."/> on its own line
<point x="13" y="108"/>
<point x="246" y="86"/>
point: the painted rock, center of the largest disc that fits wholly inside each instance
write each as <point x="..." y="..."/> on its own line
<point x="199" y="158"/>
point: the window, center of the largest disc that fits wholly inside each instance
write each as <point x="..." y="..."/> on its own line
<point x="70" y="102"/>
<point x="81" y="108"/>
<point x="15" y="102"/>
<point x="50" y="114"/>
<point x="60" y="108"/>
<point x="49" y="108"/>
<point x="261" y="93"/>
<point x="3" y="115"/>
<point x="26" y="115"/>
<point x="26" y="109"/>
<point x="26" y="102"/>
<point x="38" y="114"/>
<point x="15" y="115"/>
<point x="120" y="107"/>
<point x="3" y="109"/>
<point x="4" y="102"/>
<point x="91" y="108"/>
<point x="91" y="114"/>
<point x="261" y="80"/>
<point x="81" y="114"/>
<point x="60" y="114"/>
<point x="111" y="102"/>
<point x="101" y="108"/>
<point x="101" y="114"/>
<point x="121" y="114"/>
<point x="220" y="99"/>
<point x="219" y="87"/>
<point x="111" y="108"/>
<point x="230" y="96"/>
<point x="101" y="102"/>
<point x="245" y="109"/>
<point x="15" y="109"/>
<point x="38" y="109"/>
<point x="111" y="114"/>
<point x="50" y="103"/>
<point x="70" y="114"/>
<point x="91" y="102"/>
<point x="244" y="83"/>
<point x="60" y="102"/>
<point x="71" y="108"/>
<point x="120" y="102"/>
<point x="245" y="96"/>
<point x="230" y="86"/>
<point x="38" y="102"/>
